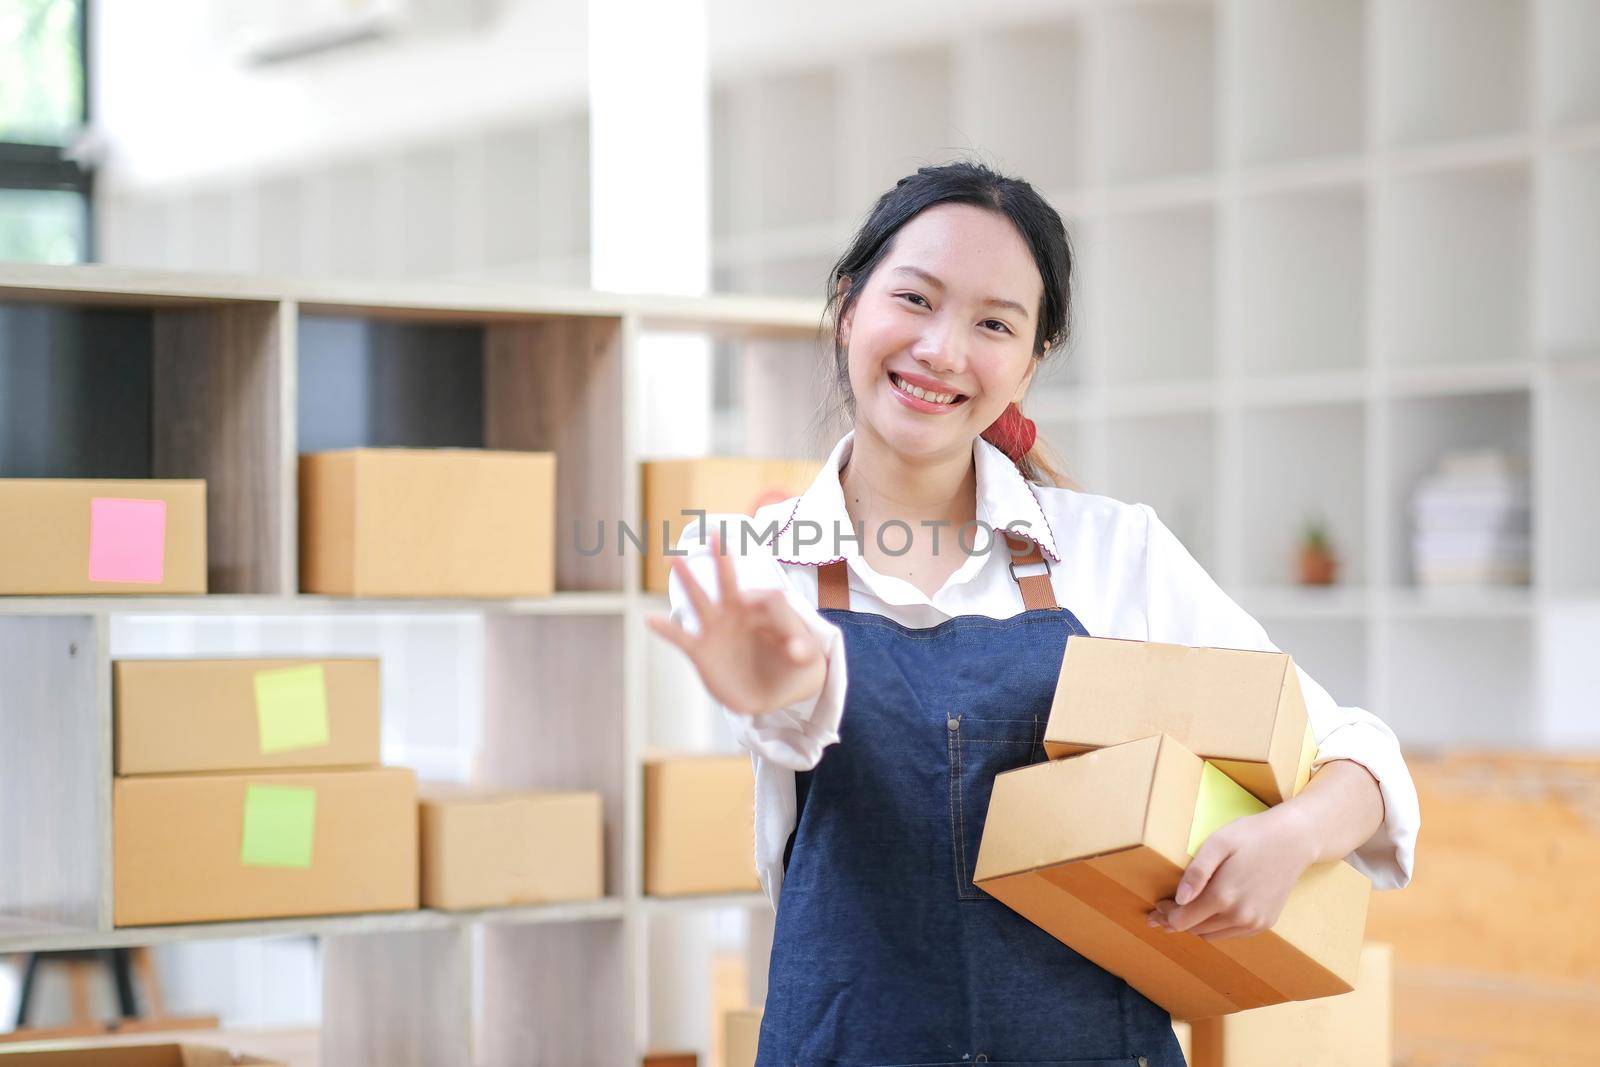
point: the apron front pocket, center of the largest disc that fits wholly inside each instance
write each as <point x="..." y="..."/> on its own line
<point x="980" y="747"/>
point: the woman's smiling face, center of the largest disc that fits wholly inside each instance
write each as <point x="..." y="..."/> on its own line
<point x="950" y="312"/>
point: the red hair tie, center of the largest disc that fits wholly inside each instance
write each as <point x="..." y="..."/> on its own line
<point x="1012" y="433"/>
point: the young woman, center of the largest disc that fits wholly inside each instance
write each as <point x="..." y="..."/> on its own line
<point x="882" y="658"/>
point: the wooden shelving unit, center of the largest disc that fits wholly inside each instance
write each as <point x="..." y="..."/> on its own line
<point x="140" y="374"/>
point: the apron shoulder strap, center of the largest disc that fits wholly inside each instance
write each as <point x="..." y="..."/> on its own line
<point x="1037" y="591"/>
<point x="833" y="586"/>
<point x="833" y="579"/>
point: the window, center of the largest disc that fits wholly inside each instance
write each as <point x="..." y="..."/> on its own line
<point x="45" y="194"/>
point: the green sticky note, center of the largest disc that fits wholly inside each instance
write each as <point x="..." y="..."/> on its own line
<point x="1221" y="801"/>
<point x="279" y="826"/>
<point x="292" y="708"/>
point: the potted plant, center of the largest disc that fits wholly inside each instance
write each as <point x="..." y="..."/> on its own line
<point x="1318" y="564"/>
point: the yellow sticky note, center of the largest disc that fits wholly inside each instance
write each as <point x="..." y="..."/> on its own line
<point x="1221" y="801"/>
<point x="292" y="708"/>
<point x="279" y="826"/>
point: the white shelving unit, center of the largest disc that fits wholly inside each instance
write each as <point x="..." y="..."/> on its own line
<point x="1318" y="242"/>
<point x="148" y="374"/>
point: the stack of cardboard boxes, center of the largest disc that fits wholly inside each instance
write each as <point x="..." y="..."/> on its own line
<point x="251" y="788"/>
<point x="1154" y="747"/>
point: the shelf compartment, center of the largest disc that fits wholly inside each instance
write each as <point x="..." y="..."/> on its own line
<point x="1568" y="491"/>
<point x="397" y="998"/>
<point x="1332" y="651"/>
<point x="1570" y="672"/>
<point x="1298" y="462"/>
<point x="1453" y="257"/>
<point x="1302" y="286"/>
<point x="426" y="379"/>
<point x="1460" y="683"/>
<point x="1420" y="430"/>
<point x="1569" y="253"/>
<point x="1154" y="81"/>
<point x="894" y="116"/>
<point x="556" y="994"/>
<point x="158" y="389"/>
<point x="1159" y="299"/>
<point x="1018" y="102"/>
<point x="1449" y="69"/>
<point x="767" y="169"/>
<point x="1569" y="74"/>
<point x="55" y="772"/>
<point x="1167" y="461"/>
<point x="1298" y="87"/>
<point x="554" y="716"/>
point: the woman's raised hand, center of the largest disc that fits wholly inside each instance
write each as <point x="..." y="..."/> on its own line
<point x="753" y="652"/>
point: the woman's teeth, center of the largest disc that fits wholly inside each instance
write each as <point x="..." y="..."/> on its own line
<point x="921" y="393"/>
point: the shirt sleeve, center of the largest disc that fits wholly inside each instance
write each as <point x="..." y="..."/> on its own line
<point x="793" y="736"/>
<point x="1184" y="605"/>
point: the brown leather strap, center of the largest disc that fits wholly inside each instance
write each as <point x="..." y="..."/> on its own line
<point x="833" y="579"/>
<point x="833" y="586"/>
<point x="1037" y="591"/>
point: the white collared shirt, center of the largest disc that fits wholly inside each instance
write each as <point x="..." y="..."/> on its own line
<point x="1114" y="565"/>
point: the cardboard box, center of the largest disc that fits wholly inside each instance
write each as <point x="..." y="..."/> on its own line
<point x="699" y="825"/>
<point x="178" y="715"/>
<point x="86" y="536"/>
<point x="711" y="484"/>
<point x="1349" y="1030"/>
<point x="1084" y="847"/>
<point x="197" y="848"/>
<point x="741" y="1035"/>
<point x="134" y="1056"/>
<point x="499" y="849"/>
<point x="1241" y="710"/>
<point x="427" y="522"/>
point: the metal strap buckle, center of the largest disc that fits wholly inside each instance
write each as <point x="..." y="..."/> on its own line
<point x="1042" y="560"/>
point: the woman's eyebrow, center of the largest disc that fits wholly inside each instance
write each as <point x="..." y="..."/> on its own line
<point x="993" y="301"/>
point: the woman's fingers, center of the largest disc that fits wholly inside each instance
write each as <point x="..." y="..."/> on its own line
<point x="727" y="581"/>
<point x="697" y="596"/>
<point x="677" y="635"/>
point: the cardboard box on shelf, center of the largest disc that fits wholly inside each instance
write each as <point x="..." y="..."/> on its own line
<point x="78" y="536"/>
<point x="427" y="522"/>
<point x="1241" y="710"/>
<point x="67" y="1054"/>
<point x="1085" y="846"/>
<point x="204" y="847"/>
<point x="699" y="825"/>
<point x="483" y="849"/>
<point x="1348" y="1030"/>
<point x="176" y="715"/>
<point x="741" y="1035"/>
<point x="711" y="484"/>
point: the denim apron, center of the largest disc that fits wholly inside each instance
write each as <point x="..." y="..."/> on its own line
<point x="884" y="953"/>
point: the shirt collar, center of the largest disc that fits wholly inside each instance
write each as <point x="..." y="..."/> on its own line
<point x="1006" y="500"/>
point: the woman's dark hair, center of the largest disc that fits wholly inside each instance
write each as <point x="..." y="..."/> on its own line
<point x="961" y="182"/>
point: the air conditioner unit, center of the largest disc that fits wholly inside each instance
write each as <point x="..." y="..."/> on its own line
<point x="276" y="31"/>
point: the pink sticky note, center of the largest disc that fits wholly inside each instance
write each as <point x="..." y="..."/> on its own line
<point x="127" y="539"/>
